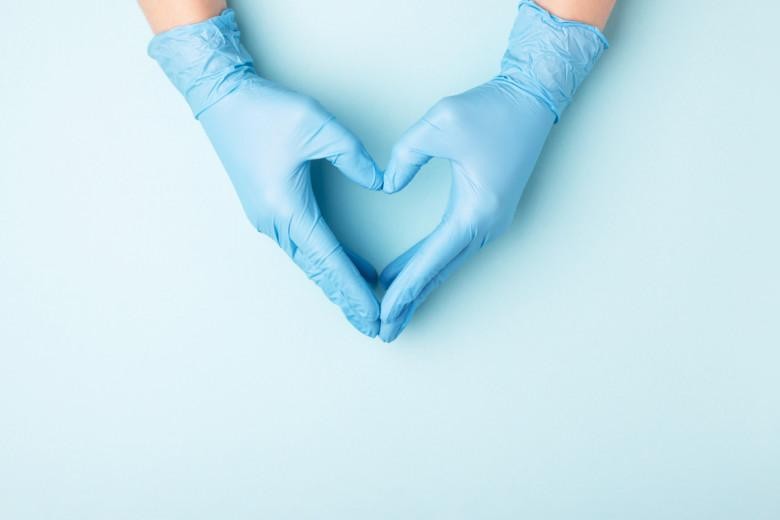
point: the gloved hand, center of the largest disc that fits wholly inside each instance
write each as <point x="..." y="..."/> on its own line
<point x="492" y="136"/>
<point x="266" y="137"/>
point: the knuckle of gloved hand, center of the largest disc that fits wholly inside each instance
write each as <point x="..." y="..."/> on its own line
<point x="305" y="109"/>
<point x="483" y="212"/>
<point x="255" y="214"/>
<point x="261" y="221"/>
<point x="402" y="153"/>
<point x="268" y="212"/>
<point x="304" y="102"/>
<point x="498" y="228"/>
<point x="446" y="112"/>
<point x="353" y="147"/>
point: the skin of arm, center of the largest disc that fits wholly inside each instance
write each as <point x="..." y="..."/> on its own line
<point x="592" y="12"/>
<point x="167" y="14"/>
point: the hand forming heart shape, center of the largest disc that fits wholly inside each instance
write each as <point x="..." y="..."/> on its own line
<point x="267" y="136"/>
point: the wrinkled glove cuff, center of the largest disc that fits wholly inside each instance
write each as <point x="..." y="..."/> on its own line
<point x="549" y="57"/>
<point x="205" y="61"/>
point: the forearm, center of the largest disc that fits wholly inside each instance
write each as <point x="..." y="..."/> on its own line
<point x="167" y="14"/>
<point x="592" y="12"/>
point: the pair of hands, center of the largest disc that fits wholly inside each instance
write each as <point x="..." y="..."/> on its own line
<point x="267" y="137"/>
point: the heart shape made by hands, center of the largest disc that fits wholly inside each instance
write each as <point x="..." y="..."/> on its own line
<point x="267" y="138"/>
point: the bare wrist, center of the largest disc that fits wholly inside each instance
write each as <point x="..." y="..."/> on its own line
<point x="164" y="15"/>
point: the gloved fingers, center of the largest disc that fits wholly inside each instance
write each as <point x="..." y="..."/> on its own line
<point x="390" y="330"/>
<point x="432" y="257"/>
<point x="416" y="147"/>
<point x="345" y="151"/>
<point x="367" y="271"/>
<point x="324" y="260"/>
<point x="394" y="268"/>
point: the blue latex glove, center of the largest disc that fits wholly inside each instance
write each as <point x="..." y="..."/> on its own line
<point x="266" y="137"/>
<point x="492" y="136"/>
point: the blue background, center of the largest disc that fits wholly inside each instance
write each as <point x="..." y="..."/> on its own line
<point x="615" y="355"/>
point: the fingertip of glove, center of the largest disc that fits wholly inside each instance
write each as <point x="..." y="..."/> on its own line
<point x="368" y="311"/>
<point x="373" y="171"/>
<point x="366" y="327"/>
<point x="376" y="176"/>
<point x="392" y="313"/>
<point x="388" y="186"/>
<point x="372" y="331"/>
<point x="370" y="173"/>
<point x="390" y="331"/>
<point x="379" y="179"/>
<point x="388" y="177"/>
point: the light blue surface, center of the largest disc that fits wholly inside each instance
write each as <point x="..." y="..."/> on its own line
<point x="614" y="355"/>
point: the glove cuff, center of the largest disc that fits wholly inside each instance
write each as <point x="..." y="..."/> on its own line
<point x="549" y="57"/>
<point x="205" y="61"/>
